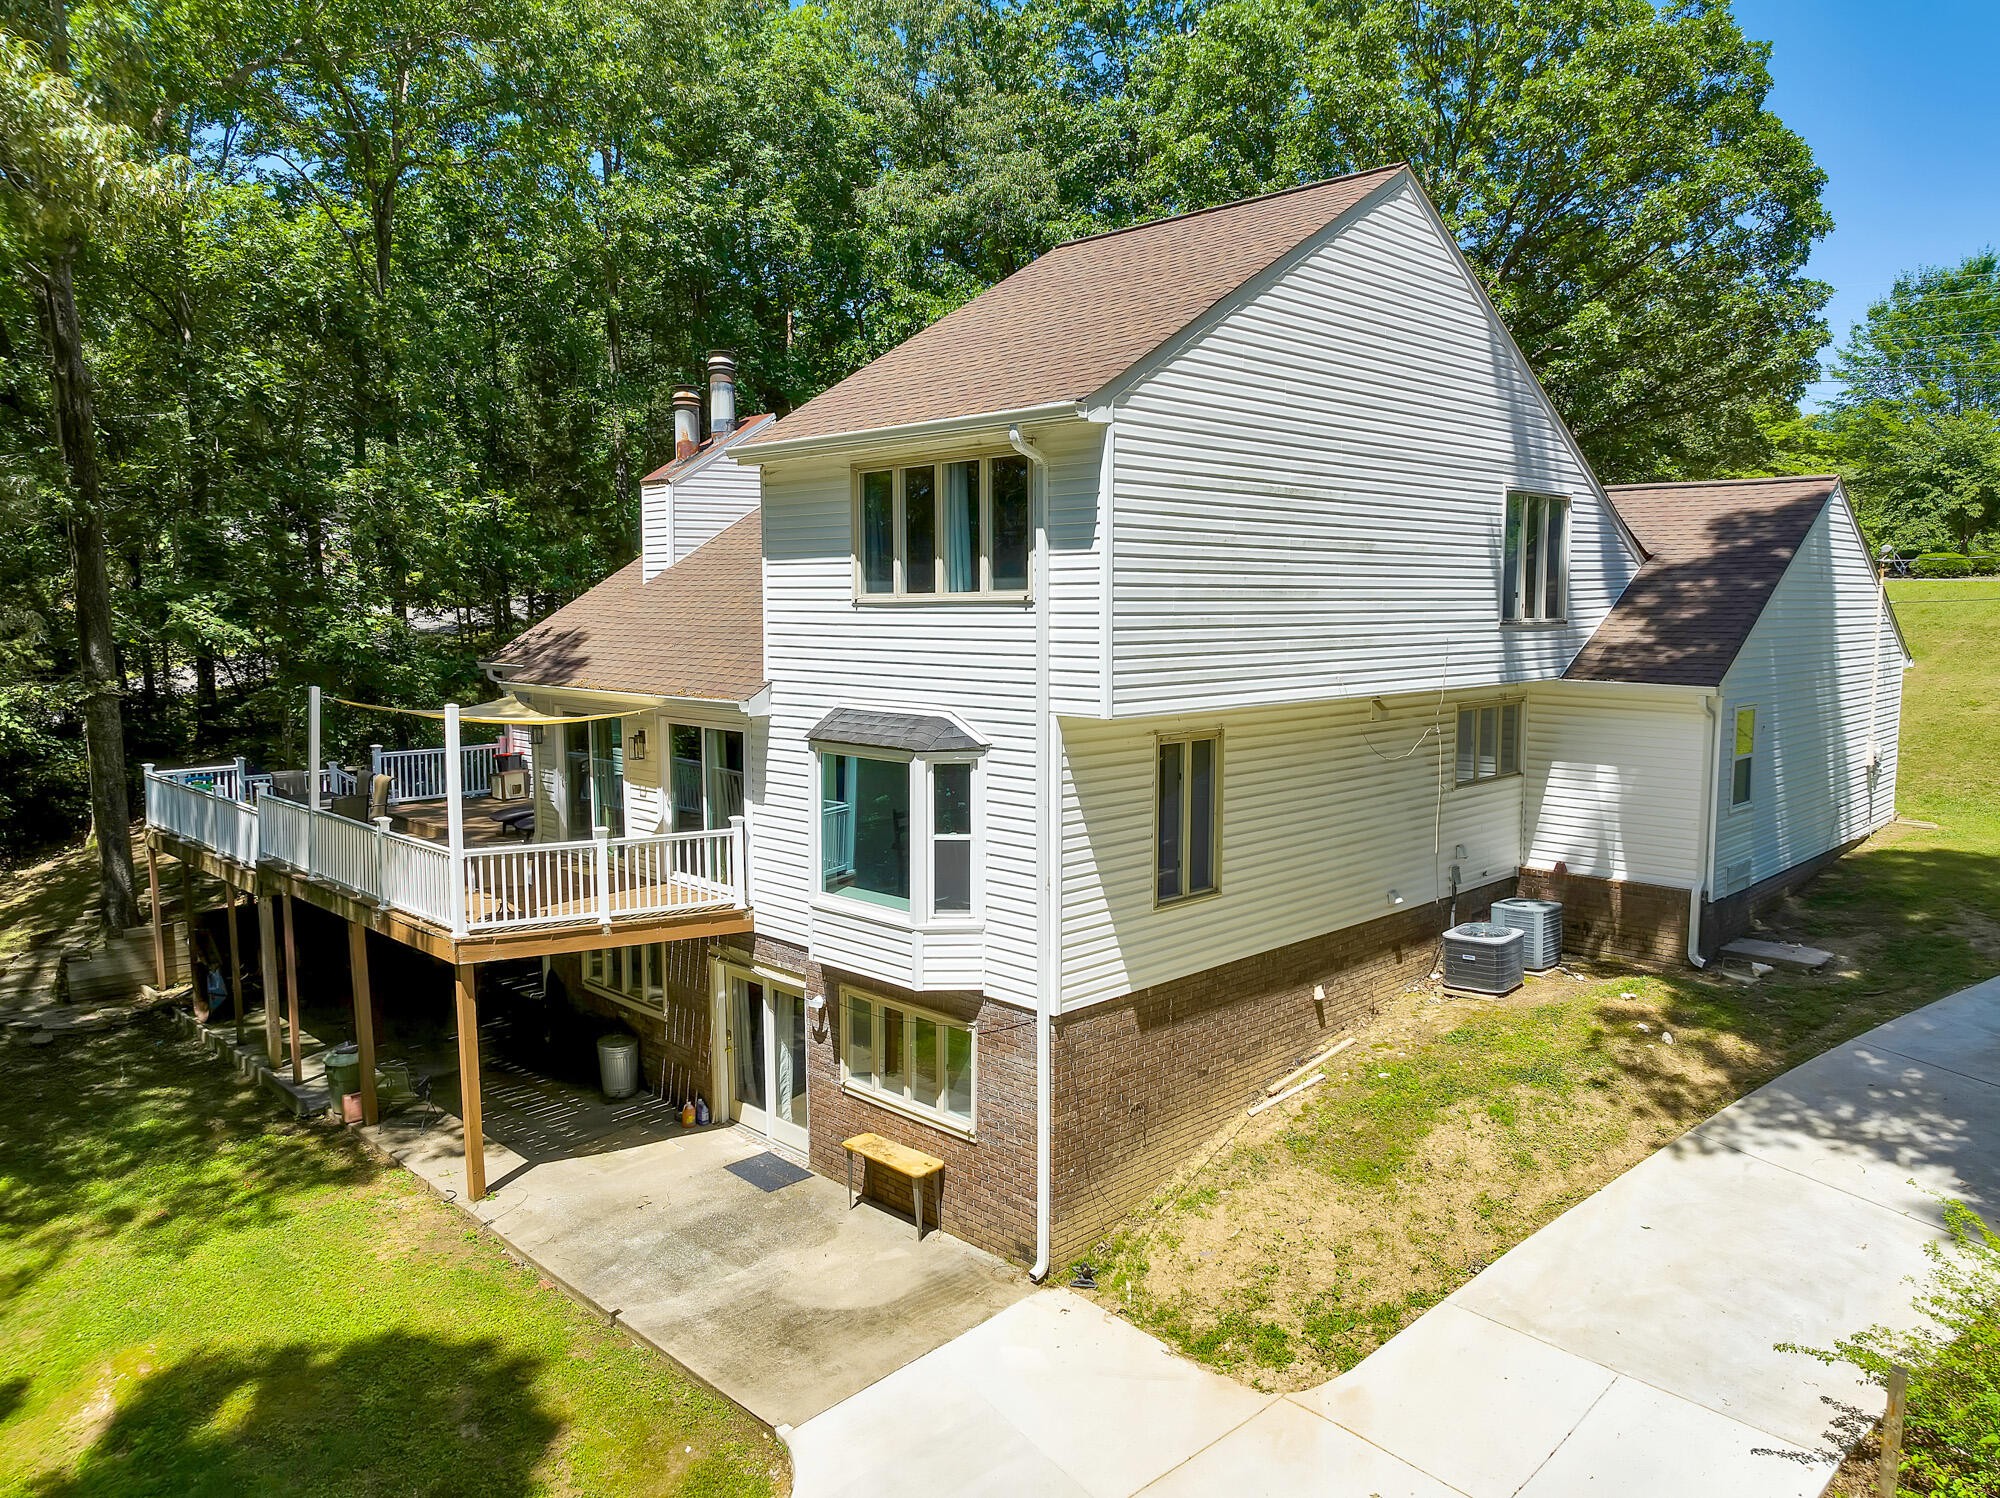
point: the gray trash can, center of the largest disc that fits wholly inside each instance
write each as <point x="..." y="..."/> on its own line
<point x="343" y="1071"/>
<point x="618" y="1065"/>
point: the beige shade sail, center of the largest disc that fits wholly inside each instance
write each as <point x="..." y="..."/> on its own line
<point x="506" y="712"/>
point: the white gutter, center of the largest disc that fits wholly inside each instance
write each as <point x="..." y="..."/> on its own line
<point x="1704" y="876"/>
<point x="1048" y="886"/>
<point x="753" y="453"/>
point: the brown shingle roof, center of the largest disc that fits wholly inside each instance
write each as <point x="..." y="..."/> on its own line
<point x="1068" y="324"/>
<point x="696" y="630"/>
<point x="1717" y="552"/>
<point x="673" y="468"/>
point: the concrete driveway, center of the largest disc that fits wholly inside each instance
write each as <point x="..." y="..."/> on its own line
<point x="1629" y="1347"/>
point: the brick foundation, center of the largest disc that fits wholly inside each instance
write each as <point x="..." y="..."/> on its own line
<point x="1722" y="921"/>
<point x="1644" y="923"/>
<point x="1142" y="1081"/>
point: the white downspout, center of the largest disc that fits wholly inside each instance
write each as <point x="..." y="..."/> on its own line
<point x="1048" y="899"/>
<point x="1705" y="851"/>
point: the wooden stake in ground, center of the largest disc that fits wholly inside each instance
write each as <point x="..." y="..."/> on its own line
<point x="468" y="1082"/>
<point x="1889" y="1466"/>
<point x="364" y="1017"/>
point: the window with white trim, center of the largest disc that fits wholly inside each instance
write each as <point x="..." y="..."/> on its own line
<point x="638" y="974"/>
<point x="898" y="832"/>
<point x="909" y="1058"/>
<point x="1742" y="772"/>
<point x="1186" y="810"/>
<point x="962" y="528"/>
<point x="1534" y="568"/>
<point x="1489" y="741"/>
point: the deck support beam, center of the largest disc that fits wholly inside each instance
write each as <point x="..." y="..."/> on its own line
<point x="267" y="960"/>
<point x="468" y="1081"/>
<point x="292" y="989"/>
<point x="153" y="899"/>
<point x="235" y="960"/>
<point x="364" y="1018"/>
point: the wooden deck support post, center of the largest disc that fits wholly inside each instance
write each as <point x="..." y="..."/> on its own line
<point x="235" y="960"/>
<point x="292" y="987"/>
<point x="468" y="1082"/>
<point x="267" y="960"/>
<point x="153" y="898"/>
<point x="187" y="925"/>
<point x="364" y="1017"/>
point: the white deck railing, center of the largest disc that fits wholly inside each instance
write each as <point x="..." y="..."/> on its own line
<point x="418" y="774"/>
<point x="597" y="882"/>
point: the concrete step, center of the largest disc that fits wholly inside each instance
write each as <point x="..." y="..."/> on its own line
<point x="1782" y="953"/>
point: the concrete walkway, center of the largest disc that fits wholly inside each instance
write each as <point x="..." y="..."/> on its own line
<point x="1629" y="1347"/>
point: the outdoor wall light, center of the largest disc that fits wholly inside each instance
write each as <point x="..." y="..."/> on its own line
<point x="636" y="745"/>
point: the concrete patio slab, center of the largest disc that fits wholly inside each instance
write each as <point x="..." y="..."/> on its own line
<point x="1687" y="1270"/>
<point x="1286" y="1451"/>
<point x="1865" y="1119"/>
<point x="1514" y="1399"/>
<point x="1638" y="1442"/>
<point x="786" y="1301"/>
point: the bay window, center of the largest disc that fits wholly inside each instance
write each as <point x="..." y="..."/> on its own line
<point x="942" y="529"/>
<point x="908" y="1058"/>
<point x="897" y="832"/>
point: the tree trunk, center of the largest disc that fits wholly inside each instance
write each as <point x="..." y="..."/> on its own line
<point x="75" y="413"/>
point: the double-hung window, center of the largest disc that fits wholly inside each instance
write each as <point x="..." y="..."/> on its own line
<point x="1187" y="806"/>
<point x="933" y="530"/>
<point x="898" y="832"/>
<point x="909" y="1058"/>
<point x="1489" y="741"/>
<point x="1534" y="569"/>
<point x="1742" y="770"/>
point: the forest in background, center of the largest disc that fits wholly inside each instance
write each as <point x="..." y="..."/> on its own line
<point x="374" y="307"/>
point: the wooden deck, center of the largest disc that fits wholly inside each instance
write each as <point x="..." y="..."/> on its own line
<point x="429" y="821"/>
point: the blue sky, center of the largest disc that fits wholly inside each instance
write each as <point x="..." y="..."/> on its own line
<point x="1900" y="102"/>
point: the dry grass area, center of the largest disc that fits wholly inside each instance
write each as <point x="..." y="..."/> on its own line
<point x="1456" y="1127"/>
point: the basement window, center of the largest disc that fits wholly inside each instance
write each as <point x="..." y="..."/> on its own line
<point x="943" y="530"/>
<point x="1489" y="742"/>
<point x="908" y="1058"/>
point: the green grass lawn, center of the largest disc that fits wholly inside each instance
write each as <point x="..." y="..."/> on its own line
<point x="1454" y="1129"/>
<point x="197" y="1297"/>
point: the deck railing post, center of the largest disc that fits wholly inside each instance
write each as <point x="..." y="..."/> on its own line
<point x="241" y="790"/>
<point x="454" y="815"/>
<point x="146" y="779"/>
<point x="601" y="857"/>
<point x="739" y="861"/>
<point x="381" y="860"/>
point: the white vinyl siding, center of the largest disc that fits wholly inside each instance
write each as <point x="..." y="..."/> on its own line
<point x="1613" y="775"/>
<point x="1326" y="809"/>
<point x="676" y="518"/>
<point x="1311" y="495"/>
<point x="1817" y="655"/>
<point x="975" y="660"/>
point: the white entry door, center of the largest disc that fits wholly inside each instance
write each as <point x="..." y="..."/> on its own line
<point x="767" y="1059"/>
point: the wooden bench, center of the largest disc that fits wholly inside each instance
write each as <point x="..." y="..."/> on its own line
<point x="900" y="1158"/>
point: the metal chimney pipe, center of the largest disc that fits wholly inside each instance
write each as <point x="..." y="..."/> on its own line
<point x="687" y="421"/>
<point x="721" y="393"/>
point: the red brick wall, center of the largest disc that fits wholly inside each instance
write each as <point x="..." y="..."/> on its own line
<point x="987" y="1192"/>
<point x="1142" y="1082"/>
<point x="1615" y="917"/>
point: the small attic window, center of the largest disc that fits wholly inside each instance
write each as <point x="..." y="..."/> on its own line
<point x="1534" y="568"/>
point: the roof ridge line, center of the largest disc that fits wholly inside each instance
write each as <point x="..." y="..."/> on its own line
<point x="1769" y="478"/>
<point x="1262" y="197"/>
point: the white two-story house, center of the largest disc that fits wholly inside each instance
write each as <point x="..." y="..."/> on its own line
<point x="1127" y="679"/>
